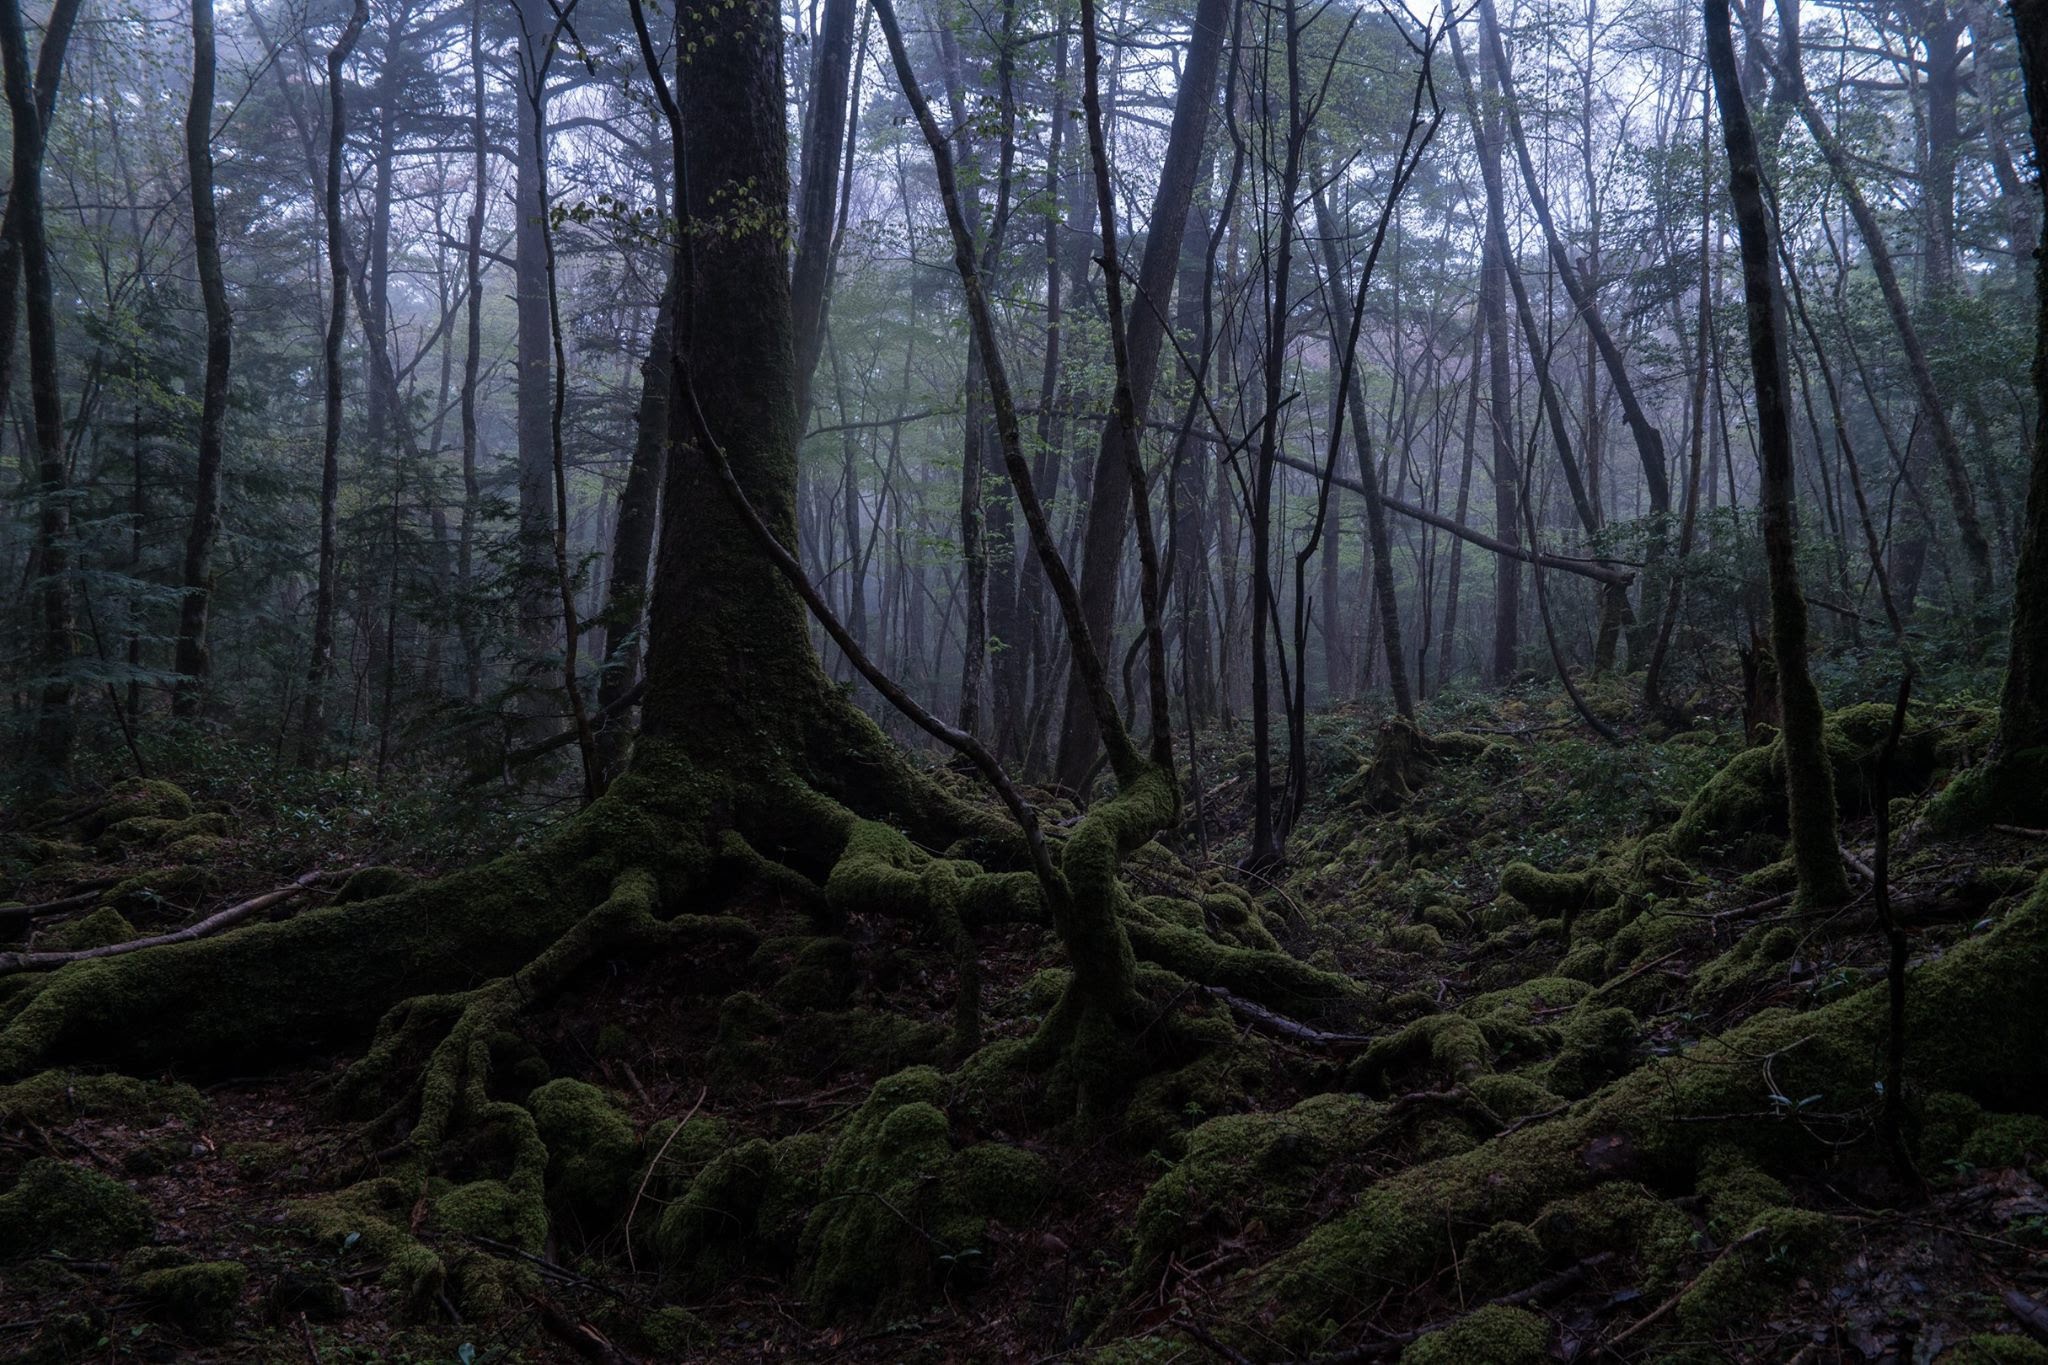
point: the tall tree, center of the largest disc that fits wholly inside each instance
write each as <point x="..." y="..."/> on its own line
<point x="313" y="729"/>
<point x="2012" y="782"/>
<point x="1109" y="508"/>
<point x="1809" y="783"/>
<point x="53" y="733"/>
<point x="192" y="660"/>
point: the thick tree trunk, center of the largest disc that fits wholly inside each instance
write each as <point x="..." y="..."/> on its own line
<point x="192" y="661"/>
<point x="1809" y="783"/>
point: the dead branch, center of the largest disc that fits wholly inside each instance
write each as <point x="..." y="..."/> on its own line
<point x="206" y="928"/>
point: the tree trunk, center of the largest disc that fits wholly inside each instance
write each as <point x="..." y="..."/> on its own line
<point x="1109" y="507"/>
<point x="192" y="661"/>
<point x="2012" y="784"/>
<point x="1809" y="783"/>
<point x="49" y="68"/>
<point x="472" y="358"/>
<point x="313" y="733"/>
<point x="51" y="738"/>
<point x="824" y="135"/>
<point x="1379" y="545"/>
<point x="1933" y="409"/>
<point x="533" y="387"/>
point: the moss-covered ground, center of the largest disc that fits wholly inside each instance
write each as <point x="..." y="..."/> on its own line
<point x="1594" y="1085"/>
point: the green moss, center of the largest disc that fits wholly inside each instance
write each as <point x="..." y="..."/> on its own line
<point x="56" y="1097"/>
<point x="152" y="831"/>
<point x="675" y="1333"/>
<point x="371" y="1220"/>
<point x="1415" y="938"/>
<point x="69" y="1209"/>
<point x="1753" y="1276"/>
<point x="1537" y="993"/>
<point x="1619" y="1216"/>
<point x="490" y="1208"/>
<point x="140" y="798"/>
<point x="593" y="1153"/>
<point x="150" y="891"/>
<point x="2007" y="1140"/>
<point x="307" y="1290"/>
<point x="820" y="974"/>
<point x="1253" y="1168"/>
<point x="899" y="1210"/>
<point x="200" y="1298"/>
<point x="1748" y="794"/>
<point x="1557" y="893"/>
<point x="1945" y="1122"/>
<point x="1989" y="1349"/>
<point x="1506" y="1257"/>
<point x="196" y="848"/>
<point x="1599" y="1045"/>
<point x="1737" y="1191"/>
<point x="258" y="1161"/>
<point x="742" y="1211"/>
<point x="372" y="883"/>
<point x="102" y="927"/>
<point x="1756" y="958"/>
<point x="1437" y="1046"/>
<point x="1976" y="1015"/>
<point x="1510" y="1097"/>
<point x="1493" y="1335"/>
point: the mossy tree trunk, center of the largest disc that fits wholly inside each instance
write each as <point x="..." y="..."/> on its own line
<point x="2023" y="705"/>
<point x="1809" y="786"/>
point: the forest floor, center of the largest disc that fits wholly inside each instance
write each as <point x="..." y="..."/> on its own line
<point x="1138" y="1241"/>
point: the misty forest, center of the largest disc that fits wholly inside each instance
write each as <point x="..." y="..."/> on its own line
<point x="1024" y="680"/>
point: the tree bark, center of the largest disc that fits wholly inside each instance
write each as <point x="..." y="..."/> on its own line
<point x="313" y="732"/>
<point x="817" y="185"/>
<point x="51" y="738"/>
<point x="1809" y="783"/>
<point x="1933" y="409"/>
<point x="192" y="659"/>
<point x="1109" y="507"/>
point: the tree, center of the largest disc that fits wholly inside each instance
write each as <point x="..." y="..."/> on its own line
<point x="213" y="292"/>
<point x="2012" y="782"/>
<point x="1809" y="782"/>
<point x="1109" y="511"/>
<point x="54" y="728"/>
<point x="313" y="729"/>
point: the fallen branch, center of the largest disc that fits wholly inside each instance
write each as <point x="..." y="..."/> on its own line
<point x="1281" y="1026"/>
<point x="206" y="928"/>
<point x="1657" y="1314"/>
<point x="1548" y="1288"/>
<point x="649" y="1175"/>
<point x="2030" y="1313"/>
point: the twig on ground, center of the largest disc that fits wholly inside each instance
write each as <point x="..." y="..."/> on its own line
<point x="212" y="924"/>
<point x="649" y="1175"/>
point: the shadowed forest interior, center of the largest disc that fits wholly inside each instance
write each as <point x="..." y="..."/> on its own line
<point x="1024" y="680"/>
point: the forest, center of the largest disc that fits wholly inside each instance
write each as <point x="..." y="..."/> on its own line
<point x="1309" y="681"/>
